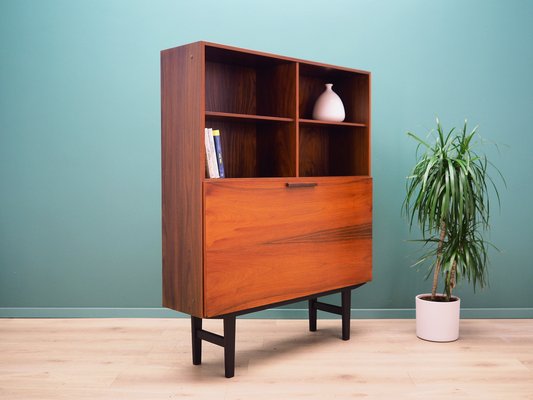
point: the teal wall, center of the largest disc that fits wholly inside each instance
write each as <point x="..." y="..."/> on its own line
<point x="80" y="135"/>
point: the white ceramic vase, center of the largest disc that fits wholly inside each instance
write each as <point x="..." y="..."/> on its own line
<point x="437" y="321"/>
<point x="328" y="106"/>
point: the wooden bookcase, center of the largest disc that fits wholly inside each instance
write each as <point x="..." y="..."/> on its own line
<point x="292" y="219"/>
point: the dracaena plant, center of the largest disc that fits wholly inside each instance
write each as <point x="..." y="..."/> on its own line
<point x="447" y="196"/>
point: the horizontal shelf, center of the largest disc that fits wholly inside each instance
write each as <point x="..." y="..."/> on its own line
<point x="245" y="117"/>
<point x="251" y="117"/>
<point x="318" y="122"/>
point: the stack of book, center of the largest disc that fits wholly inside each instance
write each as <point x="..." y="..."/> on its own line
<point x="213" y="154"/>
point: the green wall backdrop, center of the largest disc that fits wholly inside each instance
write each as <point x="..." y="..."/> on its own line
<point x="80" y="136"/>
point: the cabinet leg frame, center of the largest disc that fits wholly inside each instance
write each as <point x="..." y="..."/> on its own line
<point x="312" y="314"/>
<point x="343" y="311"/>
<point x="227" y="342"/>
<point x="196" y="325"/>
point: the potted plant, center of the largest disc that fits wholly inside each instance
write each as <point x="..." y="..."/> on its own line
<point x="447" y="197"/>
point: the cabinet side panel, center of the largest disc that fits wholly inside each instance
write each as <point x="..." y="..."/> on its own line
<point x="182" y="173"/>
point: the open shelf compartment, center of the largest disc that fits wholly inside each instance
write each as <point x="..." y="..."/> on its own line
<point x="333" y="150"/>
<point x="259" y="148"/>
<point x="353" y="87"/>
<point x="249" y="84"/>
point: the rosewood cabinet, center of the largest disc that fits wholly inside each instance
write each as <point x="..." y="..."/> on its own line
<point x="292" y="220"/>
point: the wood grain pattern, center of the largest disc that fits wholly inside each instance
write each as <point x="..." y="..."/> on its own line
<point x="256" y="148"/>
<point x="359" y="87"/>
<point x="362" y="231"/>
<point x="140" y="359"/>
<point x="267" y="243"/>
<point x="230" y="88"/>
<point x="310" y="88"/>
<point x="361" y="109"/>
<point x="276" y="90"/>
<point x="360" y="158"/>
<point x="352" y="88"/>
<point x="257" y="100"/>
<point x="182" y="173"/>
<point x="331" y="150"/>
<point x="275" y="150"/>
<point x="314" y="150"/>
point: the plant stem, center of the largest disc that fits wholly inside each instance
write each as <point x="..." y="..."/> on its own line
<point x="450" y="281"/>
<point x="447" y="289"/>
<point x="438" y="265"/>
<point x="453" y="277"/>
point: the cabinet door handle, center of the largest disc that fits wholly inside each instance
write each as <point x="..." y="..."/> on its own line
<point x="295" y="185"/>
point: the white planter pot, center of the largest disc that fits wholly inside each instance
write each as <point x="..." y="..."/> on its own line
<point x="437" y="321"/>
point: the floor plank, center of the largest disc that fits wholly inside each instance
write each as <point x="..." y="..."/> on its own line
<point x="150" y="359"/>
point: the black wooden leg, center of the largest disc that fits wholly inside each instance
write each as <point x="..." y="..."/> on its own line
<point x="312" y="314"/>
<point x="346" y="296"/>
<point x="228" y="340"/>
<point x="229" y="346"/>
<point x="196" y="327"/>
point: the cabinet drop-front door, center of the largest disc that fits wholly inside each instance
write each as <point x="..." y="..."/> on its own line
<point x="274" y="239"/>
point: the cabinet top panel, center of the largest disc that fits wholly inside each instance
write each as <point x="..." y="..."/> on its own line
<point x="216" y="52"/>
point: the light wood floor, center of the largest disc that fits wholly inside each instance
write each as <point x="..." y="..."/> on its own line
<point x="276" y="359"/>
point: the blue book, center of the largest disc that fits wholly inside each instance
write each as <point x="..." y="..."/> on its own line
<point x="218" y="151"/>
